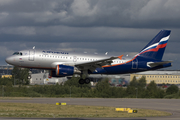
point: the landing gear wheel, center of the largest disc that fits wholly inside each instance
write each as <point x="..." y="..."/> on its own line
<point x="87" y="81"/>
<point x="81" y="81"/>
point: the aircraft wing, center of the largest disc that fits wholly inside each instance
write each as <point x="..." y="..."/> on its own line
<point x="154" y="64"/>
<point x="95" y="64"/>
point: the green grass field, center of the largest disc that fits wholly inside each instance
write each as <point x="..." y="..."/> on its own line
<point x="56" y="111"/>
<point x="15" y="98"/>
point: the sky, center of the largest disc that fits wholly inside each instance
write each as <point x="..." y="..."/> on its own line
<point x="93" y="26"/>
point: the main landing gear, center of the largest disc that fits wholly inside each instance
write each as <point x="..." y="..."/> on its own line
<point x="84" y="81"/>
<point x="84" y="78"/>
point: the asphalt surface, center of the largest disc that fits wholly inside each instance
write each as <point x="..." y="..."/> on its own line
<point x="169" y="105"/>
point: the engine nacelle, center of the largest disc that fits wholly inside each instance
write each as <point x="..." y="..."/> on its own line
<point x="64" y="70"/>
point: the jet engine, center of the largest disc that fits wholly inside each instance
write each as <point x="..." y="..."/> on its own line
<point x="63" y="70"/>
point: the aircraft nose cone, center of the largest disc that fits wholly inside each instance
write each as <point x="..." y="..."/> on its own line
<point x="8" y="60"/>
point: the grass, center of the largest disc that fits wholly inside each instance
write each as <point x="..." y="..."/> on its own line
<point x="77" y="111"/>
<point x="15" y="98"/>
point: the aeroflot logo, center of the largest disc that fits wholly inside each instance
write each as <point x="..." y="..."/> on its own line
<point x="55" y="52"/>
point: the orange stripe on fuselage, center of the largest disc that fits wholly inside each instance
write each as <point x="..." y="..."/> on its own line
<point x="57" y="69"/>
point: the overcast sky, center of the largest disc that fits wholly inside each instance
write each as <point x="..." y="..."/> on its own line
<point x="114" y="26"/>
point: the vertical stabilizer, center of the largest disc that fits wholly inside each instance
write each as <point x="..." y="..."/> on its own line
<point x="156" y="47"/>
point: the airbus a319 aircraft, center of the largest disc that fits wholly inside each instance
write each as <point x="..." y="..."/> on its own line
<point x="62" y="64"/>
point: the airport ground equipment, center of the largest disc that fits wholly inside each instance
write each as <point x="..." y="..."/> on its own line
<point x="129" y="110"/>
<point x="60" y="103"/>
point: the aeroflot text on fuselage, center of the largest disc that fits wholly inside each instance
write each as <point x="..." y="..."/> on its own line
<point x="55" y="52"/>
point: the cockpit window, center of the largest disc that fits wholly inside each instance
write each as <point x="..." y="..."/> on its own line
<point x="17" y="53"/>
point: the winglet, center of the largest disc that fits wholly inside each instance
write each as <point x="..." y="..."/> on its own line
<point x="120" y="57"/>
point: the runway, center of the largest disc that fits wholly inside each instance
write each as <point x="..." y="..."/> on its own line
<point x="169" y="105"/>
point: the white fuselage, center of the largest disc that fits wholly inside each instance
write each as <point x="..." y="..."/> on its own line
<point x="49" y="59"/>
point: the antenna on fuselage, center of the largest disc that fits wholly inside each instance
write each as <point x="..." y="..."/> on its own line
<point x="106" y="53"/>
<point x="34" y="47"/>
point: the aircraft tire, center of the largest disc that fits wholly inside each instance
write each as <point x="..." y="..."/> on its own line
<point x="81" y="81"/>
<point x="87" y="81"/>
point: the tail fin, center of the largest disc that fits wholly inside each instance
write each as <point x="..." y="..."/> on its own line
<point x="155" y="48"/>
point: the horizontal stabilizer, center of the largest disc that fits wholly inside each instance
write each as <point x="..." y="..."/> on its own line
<point x="154" y="64"/>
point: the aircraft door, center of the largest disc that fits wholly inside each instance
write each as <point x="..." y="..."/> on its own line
<point x="31" y="55"/>
<point x="135" y="64"/>
<point x="74" y="58"/>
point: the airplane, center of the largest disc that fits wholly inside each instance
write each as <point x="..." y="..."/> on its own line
<point x="63" y="64"/>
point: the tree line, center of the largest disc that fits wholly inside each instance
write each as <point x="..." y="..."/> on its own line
<point x="71" y="88"/>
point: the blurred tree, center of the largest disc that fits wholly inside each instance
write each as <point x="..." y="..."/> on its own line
<point x="142" y="82"/>
<point x="6" y="81"/>
<point x="134" y="82"/>
<point x="132" y="88"/>
<point x="142" y="87"/>
<point x="103" y="88"/>
<point x="151" y="89"/>
<point x="20" y="75"/>
<point x="172" y="89"/>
